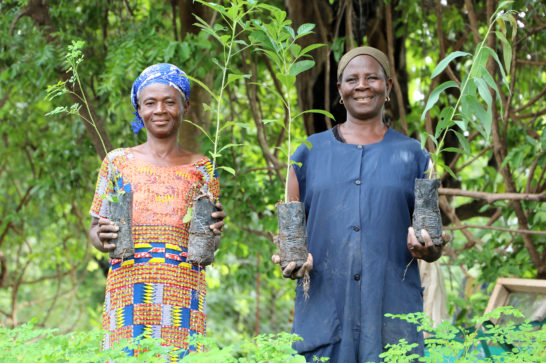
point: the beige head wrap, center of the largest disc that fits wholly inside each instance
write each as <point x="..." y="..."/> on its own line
<point x="372" y="52"/>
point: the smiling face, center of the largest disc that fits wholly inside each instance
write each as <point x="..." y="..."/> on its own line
<point x="162" y="109"/>
<point x="363" y="88"/>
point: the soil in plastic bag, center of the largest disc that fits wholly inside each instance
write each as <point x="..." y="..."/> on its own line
<point x="201" y="243"/>
<point x="426" y="214"/>
<point x="292" y="233"/>
<point x="121" y="213"/>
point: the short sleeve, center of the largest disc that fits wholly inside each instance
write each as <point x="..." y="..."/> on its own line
<point x="426" y="159"/>
<point x="99" y="206"/>
<point x="210" y="178"/>
<point x="109" y="172"/>
<point x="299" y="159"/>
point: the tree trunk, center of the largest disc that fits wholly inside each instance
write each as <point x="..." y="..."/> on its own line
<point x="189" y="134"/>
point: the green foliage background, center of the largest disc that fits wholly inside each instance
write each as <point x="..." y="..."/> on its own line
<point x="49" y="166"/>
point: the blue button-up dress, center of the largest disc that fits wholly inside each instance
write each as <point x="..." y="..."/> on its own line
<point x="359" y="201"/>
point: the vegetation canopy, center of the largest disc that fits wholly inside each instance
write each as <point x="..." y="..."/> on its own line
<point x="465" y="75"/>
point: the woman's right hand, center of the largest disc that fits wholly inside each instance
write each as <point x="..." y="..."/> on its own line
<point x="290" y="271"/>
<point x="101" y="231"/>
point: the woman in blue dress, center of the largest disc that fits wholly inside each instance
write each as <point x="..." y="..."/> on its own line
<point x="356" y="183"/>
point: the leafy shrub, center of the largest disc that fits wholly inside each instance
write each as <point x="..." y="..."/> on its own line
<point x="27" y="343"/>
<point x="513" y="342"/>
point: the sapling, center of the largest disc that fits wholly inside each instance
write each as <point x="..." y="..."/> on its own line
<point x="277" y="40"/>
<point x="121" y="199"/>
<point x="201" y="245"/>
<point x="468" y="112"/>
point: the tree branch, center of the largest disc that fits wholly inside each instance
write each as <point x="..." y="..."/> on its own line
<point x="494" y="228"/>
<point x="472" y="19"/>
<point x="390" y="51"/>
<point x="493" y="197"/>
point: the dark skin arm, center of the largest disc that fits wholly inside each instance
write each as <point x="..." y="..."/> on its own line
<point x="102" y="230"/>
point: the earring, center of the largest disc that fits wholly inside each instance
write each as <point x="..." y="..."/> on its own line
<point x="387" y="99"/>
<point x="340" y="101"/>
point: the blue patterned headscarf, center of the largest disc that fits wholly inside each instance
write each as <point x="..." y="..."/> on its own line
<point x="164" y="73"/>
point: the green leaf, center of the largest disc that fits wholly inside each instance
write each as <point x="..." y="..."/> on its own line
<point x="200" y="129"/>
<point x="310" y="48"/>
<point x="202" y="85"/>
<point x="301" y="66"/>
<point x="506" y="51"/>
<point x="463" y="125"/>
<point x="469" y="86"/>
<point x="472" y="107"/>
<point x="444" y="62"/>
<point x="322" y="112"/>
<point x="227" y="168"/>
<point x="290" y="31"/>
<point x="228" y="146"/>
<point x="188" y="215"/>
<point x="479" y="63"/>
<point x="57" y="110"/>
<point x="463" y="141"/>
<point x="445" y="120"/>
<point x="490" y="81"/>
<point x="484" y="92"/>
<point x="233" y="123"/>
<point x="493" y="54"/>
<point x="435" y="95"/>
<point x="448" y="169"/>
<point x="269" y="121"/>
<point x="305" y="29"/>
<point x="287" y="80"/>
<point x="234" y="77"/>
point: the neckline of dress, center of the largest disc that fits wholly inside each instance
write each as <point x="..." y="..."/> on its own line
<point x="133" y="157"/>
<point x="360" y="146"/>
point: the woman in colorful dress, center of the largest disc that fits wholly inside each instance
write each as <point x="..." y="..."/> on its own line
<point x="356" y="183"/>
<point x="155" y="293"/>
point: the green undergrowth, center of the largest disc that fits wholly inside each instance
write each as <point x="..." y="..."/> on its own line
<point x="28" y="343"/>
<point x="513" y="340"/>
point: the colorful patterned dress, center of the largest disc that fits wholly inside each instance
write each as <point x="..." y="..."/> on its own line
<point x="156" y="294"/>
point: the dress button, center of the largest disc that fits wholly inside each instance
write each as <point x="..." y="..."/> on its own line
<point x="359" y="146"/>
<point x="356" y="228"/>
<point x="357" y="182"/>
<point x="356" y="277"/>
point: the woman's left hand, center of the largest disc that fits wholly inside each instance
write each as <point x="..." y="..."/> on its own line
<point x="220" y="215"/>
<point x="428" y="252"/>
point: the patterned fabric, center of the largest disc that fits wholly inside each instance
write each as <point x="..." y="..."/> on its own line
<point x="156" y="293"/>
<point x="164" y="73"/>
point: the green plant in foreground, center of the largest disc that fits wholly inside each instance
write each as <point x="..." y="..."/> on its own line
<point x="26" y="343"/>
<point x="520" y="343"/>
<point x="476" y="84"/>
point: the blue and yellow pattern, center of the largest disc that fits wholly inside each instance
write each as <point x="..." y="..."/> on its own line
<point x="156" y="293"/>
